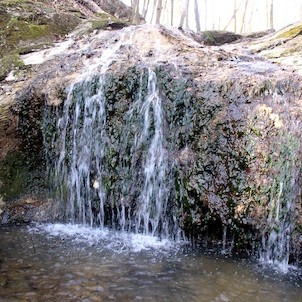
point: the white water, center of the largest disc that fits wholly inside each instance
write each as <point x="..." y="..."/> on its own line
<point x="276" y="244"/>
<point x="117" y="241"/>
<point x="81" y="143"/>
<point x="79" y="168"/>
<point x="82" y="135"/>
<point x="276" y="237"/>
<point x="42" y="56"/>
<point x="152" y="200"/>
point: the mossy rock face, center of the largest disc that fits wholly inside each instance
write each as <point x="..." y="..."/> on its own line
<point x="106" y="21"/>
<point x="22" y="168"/>
<point x="9" y="62"/>
<point x="216" y="37"/>
<point x="291" y="32"/>
<point x="14" y="176"/>
<point x="28" y="25"/>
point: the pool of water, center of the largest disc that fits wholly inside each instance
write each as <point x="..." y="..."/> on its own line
<point x="73" y="263"/>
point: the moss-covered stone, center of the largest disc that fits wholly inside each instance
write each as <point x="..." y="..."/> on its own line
<point x="29" y="25"/>
<point x="291" y="33"/>
<point x="106" y="21"/>
<point x="8" y="63"/>
<point x="14" y="176"/>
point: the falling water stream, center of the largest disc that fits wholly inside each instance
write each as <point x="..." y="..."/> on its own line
<point x="82" y="144"/>
<point x="276" y="237"/>
<point x="128" y="250"/>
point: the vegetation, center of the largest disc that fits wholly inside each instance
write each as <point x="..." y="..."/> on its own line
<point x="291" y="32"/>
<point x="8" y="63"/>
<point x="26" y="26"/>
<point x="106" y="21"/>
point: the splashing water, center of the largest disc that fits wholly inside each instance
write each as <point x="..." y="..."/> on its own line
<point x="109" y="239"/>
<point x="276" y="237"/>
<point x="81" y="170"/>
<point x="277" y="244"/>
<point x="81" y="136"/>
<point x="152" y="203"/>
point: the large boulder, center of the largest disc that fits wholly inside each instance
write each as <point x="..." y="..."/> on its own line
<point x="231" y="122"/>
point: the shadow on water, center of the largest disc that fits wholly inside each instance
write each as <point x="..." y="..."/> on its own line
<point x="50" y="263"/>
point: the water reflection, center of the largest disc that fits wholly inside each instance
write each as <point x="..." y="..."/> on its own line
<point x="37" y="267"/>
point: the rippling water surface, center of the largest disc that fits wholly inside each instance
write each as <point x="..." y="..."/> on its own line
<point x="75" y="263"/>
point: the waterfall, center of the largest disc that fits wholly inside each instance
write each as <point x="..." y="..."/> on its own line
<point x="276" y="239"/>
<point x="81" y="139"/>
<point x="83" y="164"/>
<point x="276" y="243"/>
<point x="152" y="200"/>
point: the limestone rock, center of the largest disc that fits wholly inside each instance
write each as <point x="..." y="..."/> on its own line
<point x="232" y="120"/>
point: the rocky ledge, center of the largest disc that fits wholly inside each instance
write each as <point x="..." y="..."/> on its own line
<point x="233" y="123"/>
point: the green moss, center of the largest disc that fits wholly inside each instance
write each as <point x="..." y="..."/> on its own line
<point x="26" y="26"/>
<point x="99" y="24"/>
<point x="23" y="30"/>
<point x="105" y="20"/>
<point x="62" y="24"/>
<point x="8" y="63"/>
<point x="293" y="32"/>
<point x="14" y="176"/>
<point x="209" y="37"/>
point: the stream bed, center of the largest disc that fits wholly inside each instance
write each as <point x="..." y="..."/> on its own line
<point x="55" y="262"/>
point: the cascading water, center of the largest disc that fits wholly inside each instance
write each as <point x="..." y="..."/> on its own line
<point x="144" y="154"/>
<point x="81" y="137"/>
<point x="152" y="200"/>
<point x="82" y="167"/>
<point x="276" y="238"/>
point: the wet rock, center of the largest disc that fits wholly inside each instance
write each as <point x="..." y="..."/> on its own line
<point x="231" y="122"/>
<point x="282" y="47"/>
<point x="26" y="210"/>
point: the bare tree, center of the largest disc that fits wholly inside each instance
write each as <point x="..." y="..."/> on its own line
<point x="197" y="16"/>
<point x="235" y="16"/>
<point x="145" y="8"/>
<point x="153" y="10"/>
<point x="158" y="11"/>
<point x="205" y="14"/>
<point x="244" y="16"/>
<point x="184" y="13"/>
<point x="135" y="12"/>
<point x="172" y="11"/>
<point x="271" y="15"/>
<point x="165" y="12"/>
<point x="251" y="16"/>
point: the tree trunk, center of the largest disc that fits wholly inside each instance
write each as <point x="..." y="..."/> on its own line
<point x="244" y="15"/>
<point x="153" y="10"/>
<point x="271" y="15"/>
<point x="158" y="11"/>
<point x="197" y="16"/>
<point x="135" y="12"/>
<point x="235" y="16"/>
<point x="172" y="11"/>
<point x="205" y="14"/>
<point x="184" y="13"/>
<point x="145" y="8"/>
